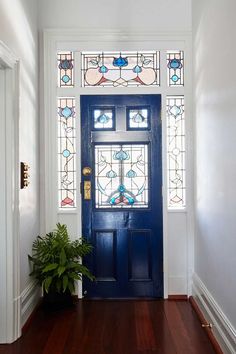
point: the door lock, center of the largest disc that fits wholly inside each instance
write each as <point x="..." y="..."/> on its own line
<point x="87" y="190"/>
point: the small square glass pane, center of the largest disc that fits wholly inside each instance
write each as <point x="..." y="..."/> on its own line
<point x="138" y="118"/>
<point x="103" y="119"/>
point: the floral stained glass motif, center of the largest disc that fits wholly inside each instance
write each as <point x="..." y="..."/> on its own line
<point x="65" y="62"/>
<point x="121" y="176"/>
<point x="175" y="68"/>
<point x="120" y="69"/>
<point x="176" y="152"/>
<point x="103" y="118"/>
<point x="66" y="153"/>
<point x="138" y="118"/>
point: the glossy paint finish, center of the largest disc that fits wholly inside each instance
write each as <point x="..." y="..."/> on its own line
<point x="127" y="259"/>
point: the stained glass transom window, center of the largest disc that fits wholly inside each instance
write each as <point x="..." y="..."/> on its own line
<point x="176" y="152"/>
<point x="66" y="153"/>
<point x="175" y="68"/>
<point x="121" y="176"/>
<point x="103" y="118"/>
<point x="65" y="62"/>
<point x="120" y="69"/>
<point x="138" y="118"/>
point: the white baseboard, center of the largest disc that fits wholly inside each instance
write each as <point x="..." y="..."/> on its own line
<point x="29" y="299"/>
<point x="223" y="330"/>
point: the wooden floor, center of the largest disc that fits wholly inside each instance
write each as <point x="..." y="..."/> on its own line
<point x="115" y="327"/>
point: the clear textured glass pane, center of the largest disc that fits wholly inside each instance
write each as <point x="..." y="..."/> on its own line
<point x="175" y="68"/>
<point x="66" y="153"/>
<point x="121" y="176"/>
<point x="65" y="64"/>
<point x="120" y="69"/>
<point x="138" y="118"/>
<point x="103" y="119"/>
<point x="176" y="151"/>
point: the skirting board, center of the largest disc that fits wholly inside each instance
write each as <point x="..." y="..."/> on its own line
<point x="222" y="329"/>
<point x="30" y="297"/>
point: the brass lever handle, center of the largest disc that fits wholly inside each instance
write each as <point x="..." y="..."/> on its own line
<point x="87" y="190"/>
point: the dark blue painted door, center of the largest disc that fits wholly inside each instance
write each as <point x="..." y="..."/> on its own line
<point x="122" y="194"/>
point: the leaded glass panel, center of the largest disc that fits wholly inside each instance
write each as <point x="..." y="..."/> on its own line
<point x="65" y="62"/>
<point x="103" y="118"/>
<point x="66" y="153"/>
<point x="176" y="151"/>
<point x="175" y="68"/>
<point x="138" y="118"/>
<point x="120" y="69"/>
<point x="121" y="176"/>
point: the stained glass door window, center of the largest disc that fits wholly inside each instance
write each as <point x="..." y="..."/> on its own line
<point x="121" y="176"/>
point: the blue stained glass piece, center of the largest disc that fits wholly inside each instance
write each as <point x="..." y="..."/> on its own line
<point x="66" y="112"/>
<point x="66" y="64"/>
<point x="113" y="200"/>
<point x="175" y="78"/>
<point x="175" y="64"/>
<point x="137" y="69"/>
<point x="65" y="79"/>
<point x="121" y="155"/>
<point x="66" y="153"/>
<point x="120" y="62"/>
<point x="121" y="188"/>
<point x="111" y="174"/>
<point x="103" y="69"/>
<point x="138" y="118"/>
<point x="103" y="119"/>
<point x="130" y="199"/>
<point x="131" y="174"/>
<point x="175" y="110"/>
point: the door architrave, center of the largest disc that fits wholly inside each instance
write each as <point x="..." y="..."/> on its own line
<point x="10" y="304"/>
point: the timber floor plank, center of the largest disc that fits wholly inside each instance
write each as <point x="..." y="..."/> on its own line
<point x="115" y="327"/>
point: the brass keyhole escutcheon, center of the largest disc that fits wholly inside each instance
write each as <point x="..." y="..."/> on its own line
<point x="87" y="171"/>
<point x="87" y="190"/>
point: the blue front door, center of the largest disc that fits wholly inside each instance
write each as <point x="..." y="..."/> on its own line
<point x="122" y="194"/>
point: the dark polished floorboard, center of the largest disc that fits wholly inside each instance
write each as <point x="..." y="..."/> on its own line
<point x="115" y="327"/>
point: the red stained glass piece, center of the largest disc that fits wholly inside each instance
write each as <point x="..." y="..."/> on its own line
<point x="67" y="201"/>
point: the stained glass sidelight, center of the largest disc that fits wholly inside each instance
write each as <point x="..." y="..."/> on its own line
<point x="103" y="118"/>
<point x="120" y="69"/>
<point x="175" y="68"/>
<point x="66" y="153"/>
<point x="65" y="62"/>
<point x="138" y="118"/>
<point x="176" y="151"/>
<point x="121" y="176"/>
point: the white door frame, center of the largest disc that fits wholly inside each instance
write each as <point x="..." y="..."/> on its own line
<point x="10" y="319"/>
<point x="177" y="224"/>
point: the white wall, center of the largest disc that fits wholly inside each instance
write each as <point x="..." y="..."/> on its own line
<point x="18" y="30"/>
<point x="214" y="30"/>
<point x="160" y="15"/>
<point x="168" y="16"/>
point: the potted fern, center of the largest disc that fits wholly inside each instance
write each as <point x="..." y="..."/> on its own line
<point x="56" y="262"/>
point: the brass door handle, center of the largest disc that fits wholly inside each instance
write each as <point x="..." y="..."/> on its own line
<point x="87" y="171"/>
<point x="87" y="190"/>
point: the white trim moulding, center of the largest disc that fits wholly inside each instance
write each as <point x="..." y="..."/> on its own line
<point x="223" y="330"/>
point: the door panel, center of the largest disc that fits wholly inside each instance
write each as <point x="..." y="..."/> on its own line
<point x="121" y="143"/>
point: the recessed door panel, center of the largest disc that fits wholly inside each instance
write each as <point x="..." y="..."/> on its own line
<point x="105" y="255"/>
<point x="140" y="261"/>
